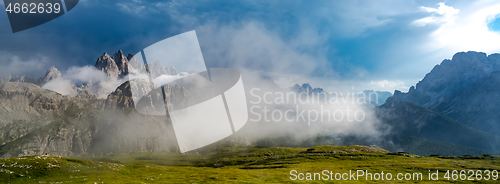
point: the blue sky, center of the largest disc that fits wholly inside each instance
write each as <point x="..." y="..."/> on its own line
<point x="495" y="24"/>
<point x="380" y="45"/>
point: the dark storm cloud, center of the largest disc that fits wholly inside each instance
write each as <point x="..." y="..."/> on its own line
<point x="360" y="41"/>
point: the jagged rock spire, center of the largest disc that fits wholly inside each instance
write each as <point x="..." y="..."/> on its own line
<point x="108" y="65"/>
<point x="51" y="74"/>
<point x="121" y="62"/>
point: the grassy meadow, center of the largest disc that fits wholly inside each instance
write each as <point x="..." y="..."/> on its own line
<point x="238" y="165"/>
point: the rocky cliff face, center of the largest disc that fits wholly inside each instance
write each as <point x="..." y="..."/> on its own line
<point x="141" y="92"/>
<point x="106" y="64"/>
<point x="121" y="63"/>
<point x="121" y="98"/>
<point x="464" y="88"/>
<point x="38" y="121"/>
<point x="116" y="66"/>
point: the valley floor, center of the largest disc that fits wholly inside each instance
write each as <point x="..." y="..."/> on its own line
<point x="244" y="165"/>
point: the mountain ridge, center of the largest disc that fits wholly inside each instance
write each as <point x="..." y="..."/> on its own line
<point x="464" y="88"/>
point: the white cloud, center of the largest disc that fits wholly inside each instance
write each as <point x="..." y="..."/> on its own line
<point x="85" y="74"/>
<point x="251" y="46"/>
<point x="98" y="82"/>
<point x="446" y="15"/>
<point x="132" y="8"/>
<point x="165" y="79"/>
<point x="464" y="30"/>
<point x="61" y="85"/>
<point x="17" y="66"/>
<point x="387" y="85"/>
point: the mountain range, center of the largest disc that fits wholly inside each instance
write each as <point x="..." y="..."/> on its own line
<point x="457" y="102"/>
<point x="465" y="88"/>
<point x="40" y="121"/>
<point x="453" y="110"/>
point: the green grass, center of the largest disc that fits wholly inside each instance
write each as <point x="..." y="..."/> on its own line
<point x="229" y="165"/>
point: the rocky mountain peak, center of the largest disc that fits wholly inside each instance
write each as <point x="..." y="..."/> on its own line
<point x="105" y="55"/>
<point x="464" y="68"/>
<point x="51" y="74"/>
<point x="130" y="56"/>
<point x="452" y="76"/>
<point x="463" y="88"/>
<point x="111" y="67"/>
<point x="121" y="62"/>
<point x="172" y="70"/>
<point x="106" y="64"/>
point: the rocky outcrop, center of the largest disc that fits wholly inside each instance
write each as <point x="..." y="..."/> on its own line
<point x="38" y="121"/>
<point x="83" y="93"/>
<point x="450" y="77"/>
<point x="118" y="65"/>
<point x="141" y="93"/>
<point x="26" y="95"/>
<point x="121" y="63"/>
<point x="51" y="74"/>
<point x="106" y="64"/>
<point x="121" y="98"/>
<point x="24" y="78"/>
